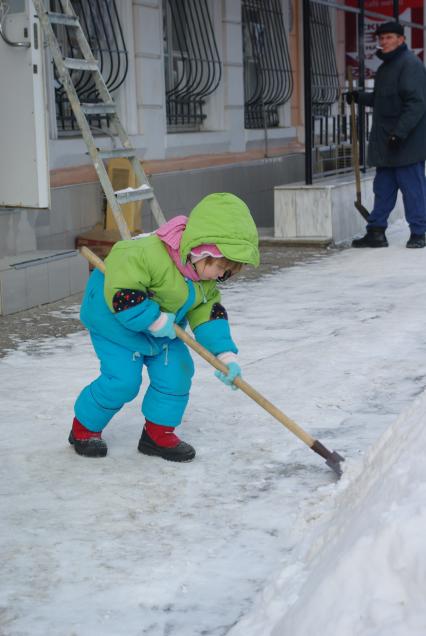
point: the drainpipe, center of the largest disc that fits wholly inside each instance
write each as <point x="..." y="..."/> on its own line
<point x="361" y="82"/>
<point x="307" y="78"/>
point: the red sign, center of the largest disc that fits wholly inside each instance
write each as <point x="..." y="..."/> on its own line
<point x="386" y="6"/>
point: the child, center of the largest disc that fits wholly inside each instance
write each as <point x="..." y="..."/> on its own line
<point x="151" y="283"/>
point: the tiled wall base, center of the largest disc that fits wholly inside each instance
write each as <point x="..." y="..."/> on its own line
<point x="40" y="277"/>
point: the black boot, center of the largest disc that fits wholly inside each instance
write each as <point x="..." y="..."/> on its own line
<point x="178" y="452"/>
<point x="416" y="240"/>
<point x="86" y="442"/>
<point x="92" y="447"/>
<point x="375" y="237"/>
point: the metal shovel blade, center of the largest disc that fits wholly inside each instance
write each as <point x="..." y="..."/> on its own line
<point x="334" y="462"/>
<point x="362" y="210"/>
<point x="332" y="459"/>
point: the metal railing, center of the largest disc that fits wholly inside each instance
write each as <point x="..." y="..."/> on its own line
<point x="268" y="77"/>
<point x="332" y="138"/>
<point x="193" y="68"/>
<point x="100" y="22"/>
<point x="325" y="79"/>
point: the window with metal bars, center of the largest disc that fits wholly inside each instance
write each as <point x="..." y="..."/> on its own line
<point x="325" y="80"/>
<point x="268" y="77"/>
<point x="193" y="68"/>
<point x="101" y="24"/>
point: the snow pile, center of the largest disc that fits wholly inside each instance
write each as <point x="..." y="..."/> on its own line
<point x="362" y="570"/>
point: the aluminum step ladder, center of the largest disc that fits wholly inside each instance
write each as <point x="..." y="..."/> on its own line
<point x="106" y="106"/>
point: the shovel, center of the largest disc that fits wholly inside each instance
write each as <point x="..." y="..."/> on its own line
<point x="332" y="458"/>
<point x="355" y="155"/>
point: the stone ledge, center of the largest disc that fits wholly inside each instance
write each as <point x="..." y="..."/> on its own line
<point x="324" y="209"/>
<point x="75" y="175"/>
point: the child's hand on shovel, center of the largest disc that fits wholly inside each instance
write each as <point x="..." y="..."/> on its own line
<point x="234" y="371"/>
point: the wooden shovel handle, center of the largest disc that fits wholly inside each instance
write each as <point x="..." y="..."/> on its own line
<point x="355" y="153"/>
<point x="244" y="386"/>
<point x="220" y="366"/>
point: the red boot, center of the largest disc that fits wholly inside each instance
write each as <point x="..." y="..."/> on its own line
<point x="163" y="442"/>
<point x="86" y="442"/>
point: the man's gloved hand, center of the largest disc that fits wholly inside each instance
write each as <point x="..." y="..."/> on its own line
<point x="352" y="97"/>
<point x="163" y="327"/>
<point x="394" y="142"/>
<point x="234" y="371"/>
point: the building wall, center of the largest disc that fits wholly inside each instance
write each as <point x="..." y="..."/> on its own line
<point x="141" y="99"/>
<point x="74" y="209"/>
<point x="254" y="182"/>
<point x="141" y="102"/>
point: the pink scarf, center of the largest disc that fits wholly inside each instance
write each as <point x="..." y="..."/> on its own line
<point x="171" y="233"/>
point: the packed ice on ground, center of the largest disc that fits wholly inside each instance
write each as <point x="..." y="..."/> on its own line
<point x="255" y="536"/>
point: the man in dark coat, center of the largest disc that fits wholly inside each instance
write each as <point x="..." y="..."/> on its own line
<point x="397" y="144"/>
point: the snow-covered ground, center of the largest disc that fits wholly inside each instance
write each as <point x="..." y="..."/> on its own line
<point x="255" y="536"/>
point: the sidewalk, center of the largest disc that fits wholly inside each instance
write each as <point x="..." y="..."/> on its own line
<point x="130" y="544"/>
<point x="61" y="318"/>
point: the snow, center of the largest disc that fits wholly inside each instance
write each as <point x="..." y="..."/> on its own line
<point x="255" y="536"/>
<point x="362" y="568"/>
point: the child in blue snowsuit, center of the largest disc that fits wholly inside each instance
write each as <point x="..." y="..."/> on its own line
<point x="151" y="283"/>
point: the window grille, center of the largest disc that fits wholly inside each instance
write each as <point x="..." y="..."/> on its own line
<point x="193" y="68"/>
<point x="268" y="77"/>
<point x="325" y="80"/>
<point x="101" y="24"/>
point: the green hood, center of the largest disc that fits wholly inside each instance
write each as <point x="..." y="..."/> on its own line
<point x="225" y="220"/>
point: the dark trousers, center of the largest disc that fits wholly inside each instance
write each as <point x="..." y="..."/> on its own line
<point x="411" y="181"/>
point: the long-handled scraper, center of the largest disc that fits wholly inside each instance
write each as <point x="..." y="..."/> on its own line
<point x="355" y="154"/>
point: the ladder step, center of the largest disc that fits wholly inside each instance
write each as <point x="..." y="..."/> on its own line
<point x="63" y="18"/>
<point x="80" y="64"/>
<point x="100" y="108"/>
<point x="125" y="153"/>
<point x="134" y="194"/>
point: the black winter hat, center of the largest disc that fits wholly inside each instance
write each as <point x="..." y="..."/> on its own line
<point x="390" y="27"/>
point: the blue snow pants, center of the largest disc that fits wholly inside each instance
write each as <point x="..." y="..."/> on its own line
<point x="170" y="373"/>
<point x="123" y="354"/>
<point x="411" y="181"/>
